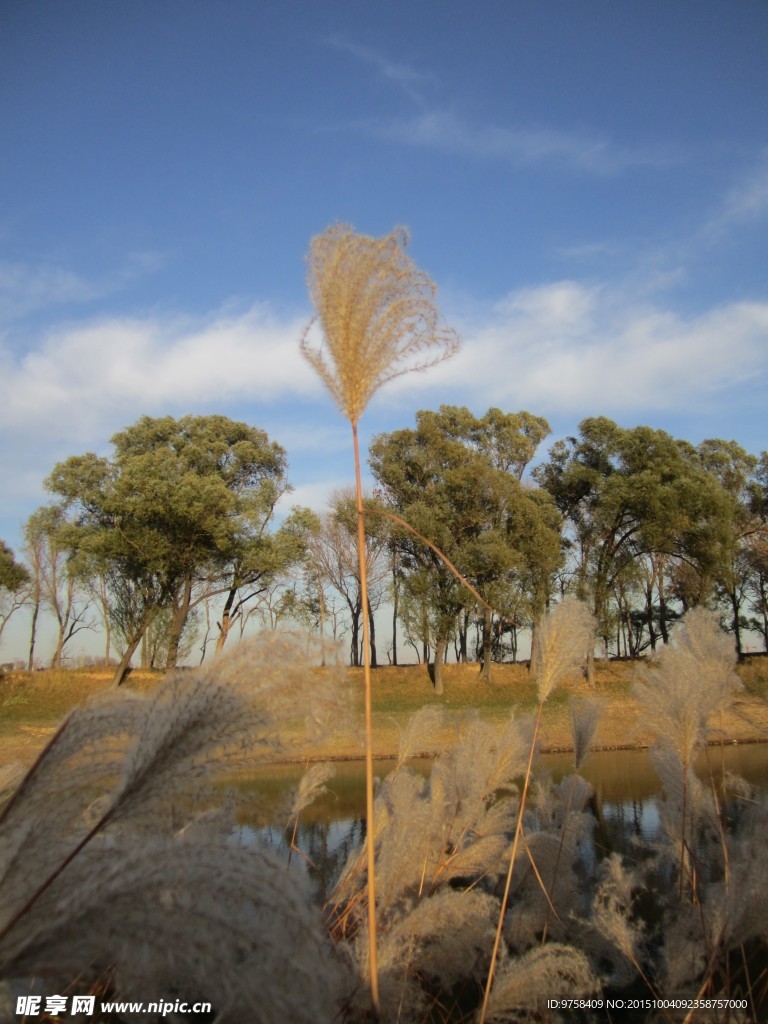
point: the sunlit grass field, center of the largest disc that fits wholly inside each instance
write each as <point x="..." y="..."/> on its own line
<point x="33" y="703"/>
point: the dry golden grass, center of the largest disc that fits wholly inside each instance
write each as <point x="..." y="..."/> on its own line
<point x="32" y="704"/>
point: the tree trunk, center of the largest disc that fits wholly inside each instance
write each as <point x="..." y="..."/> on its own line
<point x="354" y="644"/>
<point x="394" y="628"/>
<point x="107" y="640"/>
<point x="441" y="643"/>
<point x="372" y="632"/>
<point x="395" y="602"/>
<point x="649" y="616"/>
<point x="463" y="636"/>
<point x="57" y="654"/>
<point x="226" y="619"/>
<point x="179" y="620"/>
<point x="734" y="599"/>
<point x="589" y="669"/>
<point x="32" y="636"/>
<point x="533" y="665"/>
<point x="662" y="606"/>
<point x="485" y="666"/>
<point x="125" y="662"/>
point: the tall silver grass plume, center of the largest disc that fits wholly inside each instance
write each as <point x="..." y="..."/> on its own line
<point x="312" y="786"/>
<point x="564" y="636"/>
<point x="442" y="941"/>
<point x="104" y="835"/>
<point x="191" y="914"/>
<point x="746" y="901"/>
<point x="687" y="682"/>
<point x="420" y="734"/>
<point x="548" y="885"/>
<point x="611" y="918"/>
<point x="526" y="983"/>
<point x="585" y="713"/>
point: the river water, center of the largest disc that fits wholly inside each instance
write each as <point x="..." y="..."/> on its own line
<point x="625" y="784"/>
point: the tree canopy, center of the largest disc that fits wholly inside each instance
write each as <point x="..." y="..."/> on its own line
<point x="634" y="494"/>
<point x="180" y="504"/>
<point x="449" y="479"/>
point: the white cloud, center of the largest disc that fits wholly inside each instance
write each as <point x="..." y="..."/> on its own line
<point x="24" y="287"/>
<point x="568" y="348"/>
<point x="749" y="198"/>
<point x="563" y="349"/>
<point x="108" y="368"/>
<point x="315" y="496"/>
<point x="85" y="381"/>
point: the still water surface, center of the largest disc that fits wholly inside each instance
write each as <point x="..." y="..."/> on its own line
<point x="625" y="783"/>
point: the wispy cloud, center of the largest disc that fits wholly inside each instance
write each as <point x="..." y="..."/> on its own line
<point x="581" y="150"/>
<point x="410" y="80"/>
<point x="27" y="287"/>
<point x="746" y="202"/>
<point x="441" y="128"/>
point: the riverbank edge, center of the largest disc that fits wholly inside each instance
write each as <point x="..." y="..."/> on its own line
<point x="33" y="704"/>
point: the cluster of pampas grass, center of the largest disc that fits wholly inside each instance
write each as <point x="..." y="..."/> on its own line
<point x="440" y="845"/>
<point x="114" y="862"/>
<point x="576" y="921"/>
<point x="679" y="692"/>
<point x="710" y="860"/>
<point x="120" y="870"/>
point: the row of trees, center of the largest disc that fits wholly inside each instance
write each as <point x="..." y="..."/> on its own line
<point x="172" y="540"/>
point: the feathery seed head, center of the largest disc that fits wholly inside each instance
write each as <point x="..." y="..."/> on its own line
<point x="377" y="312"/>
<point x="563" y="637"/>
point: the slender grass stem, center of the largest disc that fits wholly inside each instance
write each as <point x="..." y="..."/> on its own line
<point x="372" y="954"/>
<point x="513" y="854"/>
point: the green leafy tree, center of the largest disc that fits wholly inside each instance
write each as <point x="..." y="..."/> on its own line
<point x="14" y="578"/>
<point x="170" y="517"/>
<point x="632" y="493"/>
<point x="455" y="479"/>
<point x="734" y="469"/>
<point x="259" y="562"/>
<point x="757" y="550"/>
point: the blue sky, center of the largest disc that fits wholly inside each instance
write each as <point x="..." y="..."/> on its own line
<point x="587" y="184"/>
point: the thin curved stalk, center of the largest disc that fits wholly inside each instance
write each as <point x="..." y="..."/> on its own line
<point x="513" y="854"/>
<point x="370" y="831"/>
<point x="446" y="561"/>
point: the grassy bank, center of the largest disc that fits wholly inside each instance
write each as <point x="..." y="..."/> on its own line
<point x="32" y="704"/>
